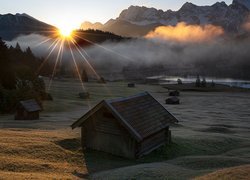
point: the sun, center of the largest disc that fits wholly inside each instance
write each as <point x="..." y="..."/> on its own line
<point x="65" y="32"/>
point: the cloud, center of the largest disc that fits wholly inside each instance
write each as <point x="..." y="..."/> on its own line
<point x="246" y="25"/>
<point x="186" y="33"/>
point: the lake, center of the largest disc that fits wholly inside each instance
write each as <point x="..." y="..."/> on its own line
<point x="191" y="79"/>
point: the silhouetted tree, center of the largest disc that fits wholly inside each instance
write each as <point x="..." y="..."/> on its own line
<point x="198" y="81"/>
<point x="18" y="78"/>
<point x="7" y="76"/>
<point x="18" y="47"/>
<point x="179" y="81"/>
<point x="213" y="84"/>
<point x="203" y="82"/>
<point x="84" y="76"/>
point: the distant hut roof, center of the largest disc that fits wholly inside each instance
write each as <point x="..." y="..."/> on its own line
<point x="173" y="100"/>
<point x="30" y="105"/>
<point x="141" y="114"/>
<point x="84" y="95"/>
<point x="131" y="84"/>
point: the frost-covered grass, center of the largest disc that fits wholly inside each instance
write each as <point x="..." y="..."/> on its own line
<point x="213" y="133"/>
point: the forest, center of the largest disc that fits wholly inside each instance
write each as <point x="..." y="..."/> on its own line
<point x="19" y="79"/>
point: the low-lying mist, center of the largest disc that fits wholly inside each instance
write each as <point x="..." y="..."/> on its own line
<point x="219" y="57"/>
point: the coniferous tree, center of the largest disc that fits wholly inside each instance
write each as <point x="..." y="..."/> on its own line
<point x="84" y="76"/>
<point x="18" y="47"/>
<point x="204" y="82"/>
<point x="198" y="81"/>
<point x="7" y="76"/>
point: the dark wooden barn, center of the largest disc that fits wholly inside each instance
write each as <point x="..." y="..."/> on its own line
<point x="131" y="85"/>
<point x="129" y="127"/>
<point x="28" y="110"/>
<point x="84" y="95"/>
<point x="173" y="100"/>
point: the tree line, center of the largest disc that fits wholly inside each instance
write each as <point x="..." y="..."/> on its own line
<point x="18" y="77"/>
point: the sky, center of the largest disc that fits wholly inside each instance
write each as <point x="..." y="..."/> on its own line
<point x="71" y="13"/>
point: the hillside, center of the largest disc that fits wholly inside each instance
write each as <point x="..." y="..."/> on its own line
<point x="90" y="37"/>
<point x="13" y="26"/>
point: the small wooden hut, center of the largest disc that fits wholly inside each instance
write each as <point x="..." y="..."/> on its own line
<point x="28" y="110"/>
<point x="128" y="127"/>
<point x="131" y="85"/>
<point x="173" y="100"/>
<point x="84" y="95"/>
<point x="102" y="80"/>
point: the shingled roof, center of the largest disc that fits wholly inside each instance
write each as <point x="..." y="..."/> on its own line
<point x="141" y="114"/>
<point x="30" y="105"/>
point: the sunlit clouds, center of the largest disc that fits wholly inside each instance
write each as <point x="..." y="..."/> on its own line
<point x="186" y="33"/>
<point x="246" y="25"/>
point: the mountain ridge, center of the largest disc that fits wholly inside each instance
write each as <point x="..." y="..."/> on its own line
<point x="13" y="26"/>
<point x="230" y="17"/>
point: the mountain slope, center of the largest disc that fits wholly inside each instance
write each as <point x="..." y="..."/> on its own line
<point x="245" y="3"/>
<point x="138" y="21"/>
<point x="12" y="26"/>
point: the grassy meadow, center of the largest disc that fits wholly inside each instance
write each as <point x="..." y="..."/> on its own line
<point x="212" y="134"/>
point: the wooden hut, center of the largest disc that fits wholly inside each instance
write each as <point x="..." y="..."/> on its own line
<point x="128" y="127"/>
<point x="28" y="110"/>
<point x="131" y="85"/>
<point x="173" y="100"/>
<point x="84" y="95"/>
<point x="101" y="80"/>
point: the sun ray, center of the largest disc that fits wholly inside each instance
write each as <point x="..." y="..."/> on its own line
<point x="86" y="60"/>
<point x="47" y="58"/>
<point x="55" y="66"/>
<point x="56" y="41"/>
<point x="77" y="69"/>
<point x="78" y="72"/>
<point x="39" y="44"/>
<point x="98" y="45"/>
<point x="61" y="57"/>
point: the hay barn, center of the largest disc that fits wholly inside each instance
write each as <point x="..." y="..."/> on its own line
<point x="84" y="95"/>
<point x="28" y="110"/>
<point x="173" y="100"/>
<point x="131" y="85"/>
<point x="129" y="127"/>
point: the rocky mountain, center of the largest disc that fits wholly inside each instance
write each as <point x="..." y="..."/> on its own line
<point x="245" y="3"/>
<point x="138" y="21"/>
<point x="12" y="26"/>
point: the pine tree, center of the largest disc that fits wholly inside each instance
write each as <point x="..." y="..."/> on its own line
<point x="18" y="47"/>
<point x="29" y="52"/>
<point x="204" y="82"/>
<point x="198" y="81"/>
<point x="7" y="75"/>
<point x="84" y="76"/>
